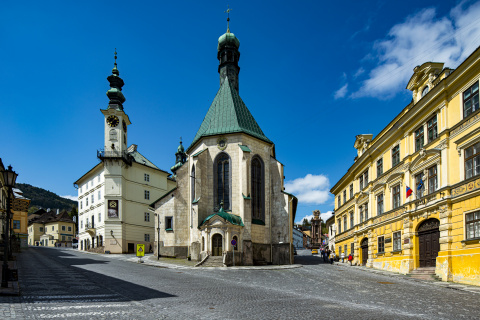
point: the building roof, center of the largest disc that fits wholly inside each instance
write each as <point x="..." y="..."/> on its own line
<point x="233" y="219"/>
<point x="50" y="216"/>
<point x="228" y="114"/>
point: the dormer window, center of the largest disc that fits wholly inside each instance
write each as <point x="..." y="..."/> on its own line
<point x="425" y="91"/>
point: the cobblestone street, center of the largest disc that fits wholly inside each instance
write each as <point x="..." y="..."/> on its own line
<point x="61" y="284"/>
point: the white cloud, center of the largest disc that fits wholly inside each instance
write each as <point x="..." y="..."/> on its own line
<point x="340" y="93"/>
<point x="324" y="216"/>
<point x="312" y="189"/>
<point x="74" y="198"/>
<point x="420" y="38"/>
<point x="359" y="72"/>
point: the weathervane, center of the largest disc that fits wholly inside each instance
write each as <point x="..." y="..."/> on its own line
<point x="228" y="18"/>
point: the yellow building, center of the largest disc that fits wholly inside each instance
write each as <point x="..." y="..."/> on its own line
<point x="51" y="230"/>
<point x="433" y="148"/>
<point x="19" y="221"/>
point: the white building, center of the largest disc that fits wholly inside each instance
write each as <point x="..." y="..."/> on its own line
<point x="297" y="238"/>
<point x="114" y="196"/>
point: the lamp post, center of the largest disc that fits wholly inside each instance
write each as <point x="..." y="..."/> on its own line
<point x="9" y="177"/>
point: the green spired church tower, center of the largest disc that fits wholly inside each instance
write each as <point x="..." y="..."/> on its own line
<point x="229" y="200"/>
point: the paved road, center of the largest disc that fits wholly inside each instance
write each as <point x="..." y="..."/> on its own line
<point x="66" y="284"/>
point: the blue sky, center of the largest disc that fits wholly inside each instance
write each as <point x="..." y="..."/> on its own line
<point x="313" y="73"/>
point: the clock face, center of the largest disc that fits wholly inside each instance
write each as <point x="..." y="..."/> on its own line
<point x="112" y="121"/>
<point x="124" y="125"/>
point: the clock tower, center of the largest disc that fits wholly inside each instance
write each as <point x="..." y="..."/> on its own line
<point x="116" y="120"/>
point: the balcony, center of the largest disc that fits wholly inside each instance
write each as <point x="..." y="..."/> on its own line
<point x="90" y="228"/>
<point x="115" y="155"/>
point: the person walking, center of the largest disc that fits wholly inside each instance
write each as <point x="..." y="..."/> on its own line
<point x="342" y="256"/>
<point x="326" y="255"/>
<point x="350" y="259"/>
<point x="332" y="256"/>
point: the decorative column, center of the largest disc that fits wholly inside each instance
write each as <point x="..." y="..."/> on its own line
<point x="407" y="245"/>
<point x="444" y="268"/>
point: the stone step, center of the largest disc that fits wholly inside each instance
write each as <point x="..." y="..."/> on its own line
<point x="430" y="270"/>
<point x="213" y="261"/>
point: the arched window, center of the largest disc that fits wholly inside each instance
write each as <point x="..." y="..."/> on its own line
<point x="257" y="194"/>
<point x="192" y="181"/>
<point x="425" y="90"/>
<point x="113" y="134"/>
<point x="222" y="181"/>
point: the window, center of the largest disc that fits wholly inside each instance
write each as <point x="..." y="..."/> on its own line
<point x="365" y="177"/>
<point x="351" y="220"/>
<point x="86" y="201"/>
<point x="63" y="238"/>
<point x="147" y="237"/>
<point x="381" y="244"/>
<point x="147" y="195"/>
<point x="345" y="222"/>
<point x="380" y="204"/>
<point x="352" y="248"/>
<point x="396" y="196"/>
<point x="366" y="211"/>
<point x="345" y="249"/>
<point x="361" y="214"/>
<point x="169" y="223"/>
<point x="419" y="185"/>
<point x="397" y="241"/>
<point x="339" y="201"/>
<point x="222" y="181"/>
<point x="470" y="100"/>
<point x="81" y="224"/>
<point x="432" y="129"/>
<point x="147" y="216"/>
<point x="99" y="195"/>
<point x="351" y="191"/>
<point x="81" y="204"/>
<point x="432" y="179"/>
<point x="99" y="217"/>
<point x="425" y="91"/>
<point x="379" y="167"/>
<point x="69" y="228"/>
<point x="339" y="226"/>
<point x="53" y="228"/>
<point x="344" y="196"/>
<point x="472" y="225"/>
<point x="41" y="229"/>
<point x="93" y="198"/>
<point x="472" y="161"/>
<point x="63" y="228"/>
<point x="360" y="180"/>
<point x="16" y="224"/>
<point x="192" y="182"/>
<point x="395" y="155"/>
<point x="419" y="141"/>
<point x="257" y="195"/>
<point x="146" y="177"/>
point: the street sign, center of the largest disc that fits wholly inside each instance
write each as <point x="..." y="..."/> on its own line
<point x="140" y="250"/>
<point x="234" y="242"/>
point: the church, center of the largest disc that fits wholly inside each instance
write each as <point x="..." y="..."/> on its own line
<point x="229" y="202"/>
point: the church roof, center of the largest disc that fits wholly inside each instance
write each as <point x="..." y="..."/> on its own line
<point x="233" y="219"/>
<point x="228" y="114"/>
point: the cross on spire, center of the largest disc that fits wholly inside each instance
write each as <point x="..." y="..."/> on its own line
<point x="228" y="18"/>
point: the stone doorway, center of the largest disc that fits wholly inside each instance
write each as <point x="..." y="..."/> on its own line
<point x="428" y="243"/>
<point x="217" y="247"/>
<point x="131" y="248"/>
<point x="364" y="246"/>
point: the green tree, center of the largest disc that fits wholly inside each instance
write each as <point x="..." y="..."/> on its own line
<point x="306" y="223"/>
<point x="32" y="209"/>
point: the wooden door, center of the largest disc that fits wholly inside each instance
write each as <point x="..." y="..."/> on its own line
<point x="364" y="246"/>
<point x="428" y="243"/>
<point x="217" y="245"/>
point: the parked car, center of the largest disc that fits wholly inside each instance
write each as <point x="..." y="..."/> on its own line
<point x="74" y="244"/>
<point x="314" y="251"/>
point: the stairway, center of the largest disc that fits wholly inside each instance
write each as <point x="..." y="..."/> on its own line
<point x="424" y="274"/>
<point x="213" y="261"/>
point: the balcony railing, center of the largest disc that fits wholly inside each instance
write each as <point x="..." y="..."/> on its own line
<point x="119" y="155"/>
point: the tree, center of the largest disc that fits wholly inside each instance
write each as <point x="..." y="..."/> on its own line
<point x="306" y="223"/>
<point x="32" y="209"/>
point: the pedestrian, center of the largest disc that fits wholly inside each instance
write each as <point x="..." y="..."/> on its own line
<point x="332" y="256"/>
<point x="326" y="255"/>
<point x="342" y="256"/>
<point x="350" y="259"/>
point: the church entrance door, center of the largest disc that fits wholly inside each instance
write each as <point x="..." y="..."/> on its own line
<point x="217" y="245"/>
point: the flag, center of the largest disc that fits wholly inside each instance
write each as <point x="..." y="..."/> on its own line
<point x="409" y="192"/>
<point x="420" y="185"/>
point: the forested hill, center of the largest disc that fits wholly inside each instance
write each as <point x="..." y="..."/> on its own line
<point x="45" y="199"/>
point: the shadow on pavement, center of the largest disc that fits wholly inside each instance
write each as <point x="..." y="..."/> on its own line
<point x="309" y="260"/>
<point x="48" y="275"/>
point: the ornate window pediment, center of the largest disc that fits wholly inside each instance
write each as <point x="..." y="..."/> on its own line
<point x="423" y="155"/>
<point x="393" y="177"/>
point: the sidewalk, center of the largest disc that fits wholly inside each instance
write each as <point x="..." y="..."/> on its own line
<point x="451" y="285"/>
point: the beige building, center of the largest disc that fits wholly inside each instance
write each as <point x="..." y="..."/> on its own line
<point x="114" y="196"/>
<point x="411" y="201"/>
<point x="229" y="194"/>
<point x="51" y="230"/>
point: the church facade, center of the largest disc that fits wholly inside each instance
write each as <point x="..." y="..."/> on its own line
<point x="229" y="199"/>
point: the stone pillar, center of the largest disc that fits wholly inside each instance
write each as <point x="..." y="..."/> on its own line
<point x="444" y="269"/>
<point x="371" y="247"/>
<point x="408" y="246"/>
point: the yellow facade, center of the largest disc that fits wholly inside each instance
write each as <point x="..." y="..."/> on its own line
<point x="435" y="139"/>
<point x="51" y="230"/>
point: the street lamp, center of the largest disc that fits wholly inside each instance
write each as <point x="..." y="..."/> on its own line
<point x="9" y="177"/>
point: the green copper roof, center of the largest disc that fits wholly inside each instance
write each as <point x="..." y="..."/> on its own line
<point x="245" y="148"/>
<point x="233" y="219"/>
<point x="228" y="114"/>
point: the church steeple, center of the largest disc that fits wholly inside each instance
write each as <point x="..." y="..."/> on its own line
<point x="115" y="93"/>
<point x="228" y="56"/>
<point x="180" y="157"/>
